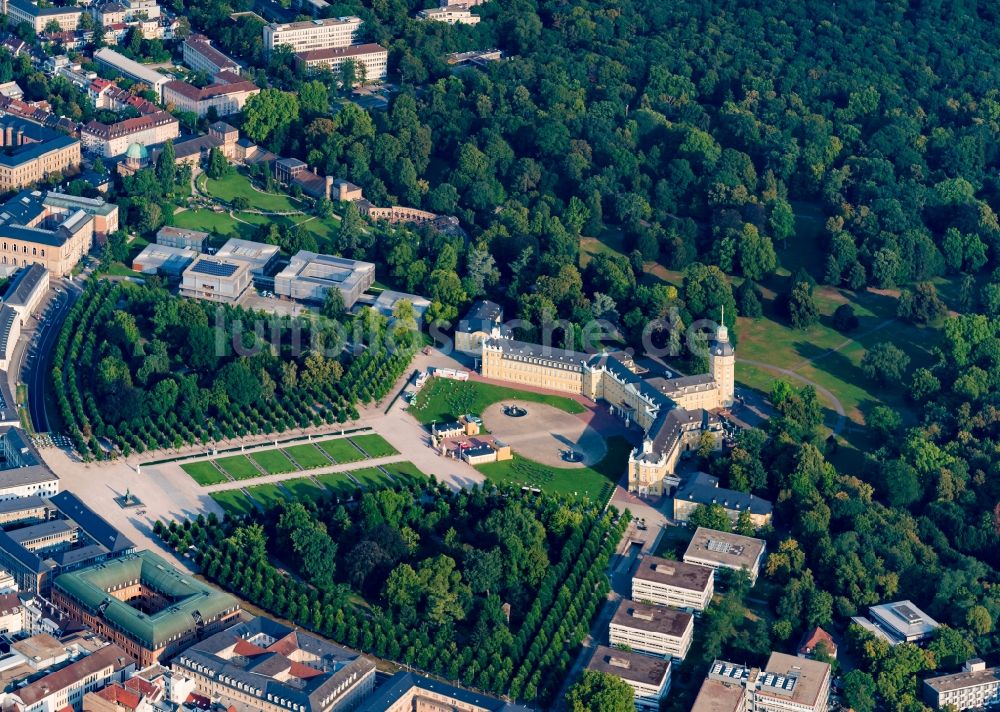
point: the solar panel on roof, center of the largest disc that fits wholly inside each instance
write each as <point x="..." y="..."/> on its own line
<point x="215" y="269"/>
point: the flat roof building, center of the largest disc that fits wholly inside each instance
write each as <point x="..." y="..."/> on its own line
<point x="725" y="550"/>
<point x="903" y="622"/>
<point x="648" y="677"/>
<point x="160" y="259"/>
<point x="258" y="256"/>
<point x="672" y="583"/>
<point x="145" y="605"/>
<point x="786" y="684"/>
<point x="309" y="276"/>
<point x="312" y="34"/>
<point x="216" y="280"/>
<point x="267" y="666"/>
<point x="653" y="630"/>
<point x="132" y="70"/>
<point x="181" y="237"/>
<point x="975" y="687"/>
<point x="450" y="14"/>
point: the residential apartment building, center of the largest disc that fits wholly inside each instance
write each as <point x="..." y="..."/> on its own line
<point x="672" y="583"/>
<point x="786" y="684"/>
<point x="975" y="687"/>
<point x="132" y="70"/>
<point x="201" y="56"/>
<point x="67" y="686"/>
<point x="648" y="677"/>
<point x="408" y="691"/>
<point x="451" y="14"/>
<point x="227" y="95"/>
<point x="702" y="490"/>
<point x="18" y="11"/>
<point x="145" y="605"/>
<point x="312" y="34"/>
<point x="371" y="61"/>
<point x="654" y="630"/>
<point x="111" y="140"/>
<point x="267" y="666"/>
<point x="30" y="153"/>
<point x="724" y="550"/>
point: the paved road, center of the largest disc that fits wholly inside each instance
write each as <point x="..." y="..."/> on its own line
<point x="36" y="369"/>
<point x="838" y="407"/>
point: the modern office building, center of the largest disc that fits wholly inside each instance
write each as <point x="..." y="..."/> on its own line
<point x="257" y="255"/>
<point x="408" y="691"/>
<point x="45" y="536"/>
<point x="216" y="280"/>
<point x="975" y="687"/>
<point x="30" y="153"/>
<point x="702" y="490"/>
<point x="267" y="666"/>
<point x="725" y="550"/>
<point x="227" y="94"/>
<point x="312" y="34"/>
<point x="111" y="140"/>
<point x="160" y="259"/>
<point x="145" y="605"/>
<point x="371" y="61"/>
<point x="201" y="56"/>
<point x="653" y="630"/>
<point x="648" y="677"/>
<point x="39" y="16"/>
<point x="899" y="622"/>
<point x="181" y="237"/>
<point x="132" y="70"/>
<point x="672" y="583"/>
<point x="786" y="684"/>
<point x="309" y="276"/>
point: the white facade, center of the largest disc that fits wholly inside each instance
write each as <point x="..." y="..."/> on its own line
<point x="653" y="630"/>
<point x="371" y="61"/>
<point x="451" y="14"/>
<point x="312" y="34"/>
<point x="977" y="686"/>
<point x="672" y="583"/>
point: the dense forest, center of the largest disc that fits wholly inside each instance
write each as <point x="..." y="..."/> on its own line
<point x="471" y="585"/>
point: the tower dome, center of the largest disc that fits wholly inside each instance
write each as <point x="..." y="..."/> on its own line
<point x="136" y="152"/>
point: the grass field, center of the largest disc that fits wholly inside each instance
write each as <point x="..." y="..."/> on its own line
<point x="209" y="221"/>
<point x="337" y="482"/>
<point x="274" y="462"/>
<point x="371" y="477"/>
<point x="303" y="488"/>
<point x="375" y="445"/>
<point x="268" y="495"/>
<point x="233" y="501"/>
<point x="341" y="450"/>
<point x="238" y="185"/>
<point x="204" y="472"/>
<point x="595" y="482"/>
<point x="443" y="399"/>
<point x="308" y="456"/>
<point x="238" y="467"/>
<point x="405" y="472"/>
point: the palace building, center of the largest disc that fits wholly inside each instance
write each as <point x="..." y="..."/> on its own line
<point x="674" y="411"/>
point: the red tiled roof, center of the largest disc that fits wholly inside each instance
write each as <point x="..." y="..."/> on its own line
<point x="247" y="649"/>
<point x="120" y="696"/>
<point x="814" y="637"/>
<point x="303" y="672"/>
<point x="142" y="686"/>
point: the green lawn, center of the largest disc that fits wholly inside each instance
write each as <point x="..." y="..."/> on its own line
<point x="595" y="482"/>
<point x="371" y="477"/>
<point x="210" y="221"/>
<point x="303" y="488"/>
<point x="308" y="456"/>
<point x="375" y="445"/>
<point x="406" y="472"/>
<point x="204" y="472"/>
<point x="275" y="462"/>
<point x="238" y="185"/>
<point x="120" y="270"/>
<point x="341" y="450"/>
<point x="268" y="495"/>
<point x="233" y="501"/>
<point x="238" y="467"/>
<point x="338" y="483"/>
<point x="443" y="399"/>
